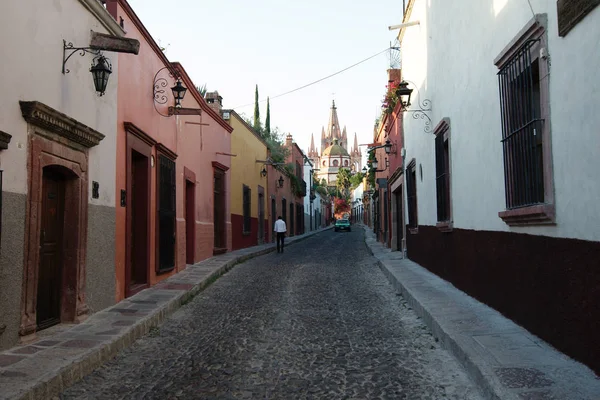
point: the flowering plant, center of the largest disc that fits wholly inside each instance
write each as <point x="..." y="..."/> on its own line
<point x="391" y="98"/>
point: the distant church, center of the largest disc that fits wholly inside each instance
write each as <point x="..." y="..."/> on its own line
<point x="334" y="151"/>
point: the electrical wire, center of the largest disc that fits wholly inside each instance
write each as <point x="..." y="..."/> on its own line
<point x="317" y="81"/>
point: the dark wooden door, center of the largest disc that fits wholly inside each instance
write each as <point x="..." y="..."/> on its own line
<point x="273" y="217"/>
<point x="261" y="218"/>
<point x="50" y="265"/>
<point x="190" y="221"/>
<point x="219" y="210"/>
<point x="136" y="274"/>
<point x="399" y="218"/>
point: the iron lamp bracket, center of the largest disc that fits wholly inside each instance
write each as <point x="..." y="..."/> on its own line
<point x="69" y="47"/>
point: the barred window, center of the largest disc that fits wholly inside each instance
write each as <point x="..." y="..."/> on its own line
<point x="246" y="200"/>
<point x="411" y="194"/>
<point x="166" y="214"/>
<point x="524" y="107"/>
<point x="442" y="171"/>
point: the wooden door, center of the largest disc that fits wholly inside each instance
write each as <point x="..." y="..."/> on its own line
<point x="219" y="210"/>
<point x="136" y="274"/>
<point x="190" y="221"/>
<point x="399" y="218"/>
<point x="261" y="218"/>
<point x="50" y="266"/>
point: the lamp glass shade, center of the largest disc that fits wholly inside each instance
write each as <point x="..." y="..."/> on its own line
<point x="403" y="92"/>
<point x="375" y="163"/>
<point x="178" y="93"/>
<point x="100" y="73"/>
<point x="388" y="147"/>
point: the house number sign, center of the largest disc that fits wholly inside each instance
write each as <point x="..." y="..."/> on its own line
<point x="570" y="12"/>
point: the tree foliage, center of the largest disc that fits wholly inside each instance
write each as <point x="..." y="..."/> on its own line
<point x="268" y="118"/>
<point x="201" y="90"/>
<point x="343" y="182"/>
<point x="256" y="124"/>
<point x="356" y="180"/>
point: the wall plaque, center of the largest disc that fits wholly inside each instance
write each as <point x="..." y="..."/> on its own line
<point x="570" y="12"/>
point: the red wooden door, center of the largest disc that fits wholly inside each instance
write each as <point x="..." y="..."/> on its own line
<point x="50" y="264"/>
<point x="190" y="221"/>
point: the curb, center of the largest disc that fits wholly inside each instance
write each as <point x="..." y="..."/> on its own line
<point x="50" y="384"/>
<point x="513" y="365"/>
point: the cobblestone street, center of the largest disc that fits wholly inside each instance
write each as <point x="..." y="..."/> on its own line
<point x="318" y="321"/>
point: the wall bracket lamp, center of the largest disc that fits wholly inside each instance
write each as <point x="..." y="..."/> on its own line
<point x="263" y="172"/>
<point x="159" y="91"/>
<point x="101" y="66"/>
<point x="387" y="146"/>
<point x="404" y="92"/>
<point x="280" y="181"/>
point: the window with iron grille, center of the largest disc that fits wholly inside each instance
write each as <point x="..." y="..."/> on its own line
<point x="442" y="171"/>
<point x="284" y="210"/>
<point x="247" y="218"/>
<point x="411" y="194"/>
<point x="166" y="214"/>
<point x="524" y="105"/>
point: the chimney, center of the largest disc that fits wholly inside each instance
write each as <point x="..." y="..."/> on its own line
<point x="288" y="140"/>
<point x="394" y="75"/>
<point x="214" y="101"/>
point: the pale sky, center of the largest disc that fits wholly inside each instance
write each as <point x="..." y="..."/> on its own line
<point x="231" y="45"/>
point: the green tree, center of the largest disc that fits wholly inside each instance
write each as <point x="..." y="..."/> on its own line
<point x="256" y="124"/>
<point x="343" y="181"/>
<point x="356" y="180"/>
<point x="268" y="119"/>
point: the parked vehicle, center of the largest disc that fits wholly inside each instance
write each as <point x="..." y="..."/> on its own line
<point x="342" y="224"/>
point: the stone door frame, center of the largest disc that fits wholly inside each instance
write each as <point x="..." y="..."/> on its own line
<point x="55" y="139"/>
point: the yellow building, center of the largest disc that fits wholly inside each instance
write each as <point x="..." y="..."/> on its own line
<point x="248" y="184"/>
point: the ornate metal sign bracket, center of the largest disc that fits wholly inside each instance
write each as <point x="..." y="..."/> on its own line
<point x="422" y="111"/>
<point x="82" y="50"/>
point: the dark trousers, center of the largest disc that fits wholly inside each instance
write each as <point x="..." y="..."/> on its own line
<point x="280" y="237"/>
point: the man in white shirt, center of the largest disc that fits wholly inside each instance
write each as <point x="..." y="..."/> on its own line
<point x="280" y="230"/>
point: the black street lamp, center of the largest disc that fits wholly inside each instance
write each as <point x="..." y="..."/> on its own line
<point x="178" y="93"/>
<point x="101" y="72"/>
<point x="403" y="93"/>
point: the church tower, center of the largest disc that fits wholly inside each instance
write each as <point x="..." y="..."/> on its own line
<point x="334" y="153"/>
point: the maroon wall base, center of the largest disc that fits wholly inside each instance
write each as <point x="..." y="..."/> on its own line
<point x="549" y="286"/>
<point x="239" y="239"/>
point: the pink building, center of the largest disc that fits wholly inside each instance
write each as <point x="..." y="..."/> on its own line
<point x="172" y="177"/>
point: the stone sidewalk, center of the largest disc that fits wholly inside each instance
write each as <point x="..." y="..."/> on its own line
<point x="504" y="359"/>
<point x="64" y="354"/>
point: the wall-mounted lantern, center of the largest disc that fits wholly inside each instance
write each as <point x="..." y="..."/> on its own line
<point x="280" y="181"/>
<point x="101" y="67"/>
<point x="404" y="93"/>
<point x="263" y="173"/>
<point x="101" y="72"/>
<point x="178" y="91"/>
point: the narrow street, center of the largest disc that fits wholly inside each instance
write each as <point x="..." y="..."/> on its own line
<point x="318" y="321"/>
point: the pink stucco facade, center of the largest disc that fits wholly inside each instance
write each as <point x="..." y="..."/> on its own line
<point x="145" y="139"/>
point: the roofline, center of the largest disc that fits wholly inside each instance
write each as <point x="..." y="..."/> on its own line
<point x="251" y="129"/>
<point x="173" y="66"/>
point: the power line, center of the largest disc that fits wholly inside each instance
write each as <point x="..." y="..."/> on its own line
<point x="317" y="81"/>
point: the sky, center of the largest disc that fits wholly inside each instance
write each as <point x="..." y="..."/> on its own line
<point x="280" y="45"/>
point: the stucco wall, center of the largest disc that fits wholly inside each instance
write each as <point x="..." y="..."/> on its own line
<point x="31" y="70"/>
<point x="244" y="168"/>
<point x="11" y="264"/>
<point x="450" y="58"/>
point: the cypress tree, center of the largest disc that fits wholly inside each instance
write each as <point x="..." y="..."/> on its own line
<point x="268" y="119"/>
<point x="256" y="111"/>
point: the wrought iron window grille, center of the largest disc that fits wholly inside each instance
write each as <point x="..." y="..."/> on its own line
<point x="522" y="127"/>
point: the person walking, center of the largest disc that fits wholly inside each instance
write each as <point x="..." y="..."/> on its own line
<point x="280" y="230"/>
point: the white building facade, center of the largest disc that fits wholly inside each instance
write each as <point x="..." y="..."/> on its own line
<point x="502" y="158"/>
<point x="58" y="184"/>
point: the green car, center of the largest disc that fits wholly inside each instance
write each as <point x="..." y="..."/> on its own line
<point x="342" y="225"/>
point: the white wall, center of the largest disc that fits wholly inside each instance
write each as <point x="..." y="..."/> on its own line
<point x="450" y="57"/>
<point x="32" y="54"/>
